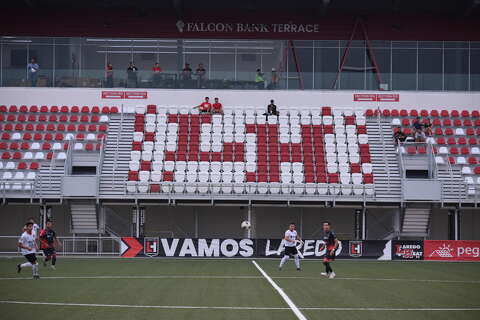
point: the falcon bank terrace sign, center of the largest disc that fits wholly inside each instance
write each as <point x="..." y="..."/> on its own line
<point x="246" y="27"/>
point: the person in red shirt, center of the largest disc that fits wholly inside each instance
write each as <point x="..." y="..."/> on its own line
<point x="217" y="107"/>
<point x="156" y="74"/>
<point x="48" y="240"/>
<point x="205" y="106"/>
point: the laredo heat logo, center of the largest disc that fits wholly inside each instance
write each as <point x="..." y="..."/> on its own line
<point x="150" y="246"/>
<point x="356" y="248"/>
<point x="444" y="251"/>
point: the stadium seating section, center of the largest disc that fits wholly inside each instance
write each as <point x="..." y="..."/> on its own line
<point x="302" y="151"/>
<point x="455" y="137"/>
<point x="32" y="135"/>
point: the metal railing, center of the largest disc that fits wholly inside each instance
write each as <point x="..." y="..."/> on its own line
<point x="384" y="157"/>
<point x="71" y="246"/>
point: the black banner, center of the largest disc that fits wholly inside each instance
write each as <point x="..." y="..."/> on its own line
<point x="247" y="248"/>
<point x="407" y="250"/>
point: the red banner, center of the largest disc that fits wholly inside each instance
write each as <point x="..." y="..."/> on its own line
<point x="451" y="250"/>
<point x="381" y="97"/>
<point x="124" y="95"/>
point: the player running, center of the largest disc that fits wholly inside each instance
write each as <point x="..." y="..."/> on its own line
<point x="35" y="227"/>
<point x="290" y="242"/>
<point x="27" y="244"/>
<point x="48" y="240"/>
<point x="331" y="243"/>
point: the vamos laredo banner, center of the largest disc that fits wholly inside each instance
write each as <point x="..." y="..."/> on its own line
<point x="451" y="250"/>
<point x="246" y="248"/>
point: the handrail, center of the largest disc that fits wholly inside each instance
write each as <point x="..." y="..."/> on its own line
<point x="120" y="129"/>
<point x="385" y="159"/>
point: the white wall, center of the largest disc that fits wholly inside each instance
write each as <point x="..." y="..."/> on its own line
<point x="307" y="98"/>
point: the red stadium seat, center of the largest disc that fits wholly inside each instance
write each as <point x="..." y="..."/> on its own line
<point x="438" y="131"/>
<point x="424" y="113"/>
<point x="44" y="109"/>
<point x="113" y="109"/>
<point x="394" y="113"/>
<point x="54" y="109"/>
<point x="464" y="151"/>
<point x="403" y="113"/>
<point x="448" y="131"/>
<point x="75" y="109"/>
<point x="472" y="160"/>
<point x="476" y="170"/>
<point x="444" y="113"/>
<point x="367" y="178"/>
<point x="34" y="165"/>
<point x="386" y="113"/>
<point x="413" y="113"/>
<point x="472" y="140"/>
<point x="454" y="114"/>
<point x="475" y="114"/>
<point x="465" y="113"/>
<point x="434" y="113"/>
<point x="326" y="111"/>
<point x="13" y="108"/>
<point x="34" y="109"/>
<point x="453" y="150"/>
<point x="22" y="166"/>
<point x="85" y="109"/>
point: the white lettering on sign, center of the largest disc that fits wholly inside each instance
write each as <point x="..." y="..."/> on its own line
<point x="246" y="27"/>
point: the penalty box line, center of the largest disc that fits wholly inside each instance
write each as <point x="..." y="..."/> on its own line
<point x="282" y="293"/>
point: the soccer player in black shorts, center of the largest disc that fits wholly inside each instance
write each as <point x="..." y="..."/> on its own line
<point x="330" y="244"/>
<point x="290" y="242"/>
<point x="28" y="246"/>
<point x="48" y="239"/>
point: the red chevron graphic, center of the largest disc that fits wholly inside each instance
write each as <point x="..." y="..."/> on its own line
<point x="130" y="247"/>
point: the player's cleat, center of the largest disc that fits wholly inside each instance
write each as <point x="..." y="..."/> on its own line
<point x="53" y="267"/>
<point x="298" y="269"/>
<point x="19" y="268"/>
<point x="279" y="268"/>
<point x="36" y="277"/>
<point x="324" y="274"/>
<point x="332" y="275"/>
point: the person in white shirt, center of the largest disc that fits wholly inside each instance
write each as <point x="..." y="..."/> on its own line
<point x="35" y="227"/>
<point x="28" y="246"/>
<point x="290" y="242"/>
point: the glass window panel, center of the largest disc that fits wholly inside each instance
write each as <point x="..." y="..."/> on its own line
<point x="222" y="64"/>
<point x="430" y="44"/>
<point x="14" y="62"/>
<point x="456" y="69"/>
<point x="67" y="63"/>
<point x="326" y="67"/>
<point x="326" y="43"/>
<point x="475" y="70"/>
<point x="404" y="67"/>
<point x="456" y="44"/>
<point x="94" y="57"/>
<point x="382" y="57"/>
<point x="429" y="69"/>
<point x="43" y="54"/>
<point x="353" y="74"/>
<point x="404" y="44"/>
<point x="305" y="63"/>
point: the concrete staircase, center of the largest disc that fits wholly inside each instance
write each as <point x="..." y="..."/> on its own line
<point x="84" y="217"/>
<point x="117" y="154"/>
<point x="386" y="172"/>
<point x="415" y="222"/>
<point x="48" y="183"/>
<point x="452" y="183"/>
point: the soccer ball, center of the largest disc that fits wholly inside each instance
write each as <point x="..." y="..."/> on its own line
<point x="246" y="225"/>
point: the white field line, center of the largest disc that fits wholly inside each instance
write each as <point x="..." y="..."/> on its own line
<point x="89" y="305"/>
<point x="240" y="277"/>
<point x="282" y="293"/>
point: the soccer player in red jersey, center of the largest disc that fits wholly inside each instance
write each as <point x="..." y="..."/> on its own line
<point x="331" y="243"/>
<point x="217" y="107"/>
<point x="48" y="240"/>
<point x="205" y="106"/>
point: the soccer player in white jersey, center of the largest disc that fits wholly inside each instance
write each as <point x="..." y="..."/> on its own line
<point x="28" y="245"/>
<point x="290" y="243"/>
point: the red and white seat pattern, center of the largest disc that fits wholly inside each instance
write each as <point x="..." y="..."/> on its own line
<point x="32" y="134"/>
<point x="312" y="151"/>
<point x="455" y="137"/>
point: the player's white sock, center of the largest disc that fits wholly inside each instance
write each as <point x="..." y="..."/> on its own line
<point x="297" y="261"/>
<point x="35" y="269"/>
<point x="25" y="265"/>
<point x="284" y="259"/>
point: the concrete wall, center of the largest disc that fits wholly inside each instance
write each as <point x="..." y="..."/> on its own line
<point x="283" y="98"/>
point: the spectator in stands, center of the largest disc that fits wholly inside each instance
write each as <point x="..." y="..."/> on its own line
<point x="32" y="69"/>
<point x="204" y="107"/>
<point x="427" y="127"/>
<point x="217" y="107"/>
<point x="275" y="79"/>
<point x="399" y="135"/>
<point x="271" y="110"/>
<point x="156" y="75"/>
<point x="132" y="75"/>
<point x="259" y="79"/>
<point x="418" y="132"/>
<point x="187" y="72"/>
<point x="109" y="75"/>
<point x="201" y="76"/>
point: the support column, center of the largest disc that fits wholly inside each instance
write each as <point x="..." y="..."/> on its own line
<point x="358" y="226"/>
<point x="364" y="224"/>
<point x="454" y="232"/>
<point x="396" y="222"/>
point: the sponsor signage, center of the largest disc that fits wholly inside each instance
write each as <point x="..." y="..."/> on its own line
<point x="451" y="250"/>
<point x="372" y="97"/>
<point x="407" y="250"/>
<point x="240" y="27"/>
<point x="124" y="94"/>
<point x="244" y="248"/>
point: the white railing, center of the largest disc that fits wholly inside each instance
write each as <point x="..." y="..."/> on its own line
<point x="71" y="246"/>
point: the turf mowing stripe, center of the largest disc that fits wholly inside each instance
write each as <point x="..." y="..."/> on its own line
<point x="67" y="304"/>
<point x="140" y="277"/>
<point x="383" y="279"/>
<point x="282" y="293"/>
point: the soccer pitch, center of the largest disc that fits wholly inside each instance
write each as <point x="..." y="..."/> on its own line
<point x="236" y="289"/>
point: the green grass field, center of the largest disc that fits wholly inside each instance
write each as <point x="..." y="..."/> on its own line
<point x="235" y="289"/>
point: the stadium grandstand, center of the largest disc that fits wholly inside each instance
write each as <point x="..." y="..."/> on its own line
<point x="363" y="115"/>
